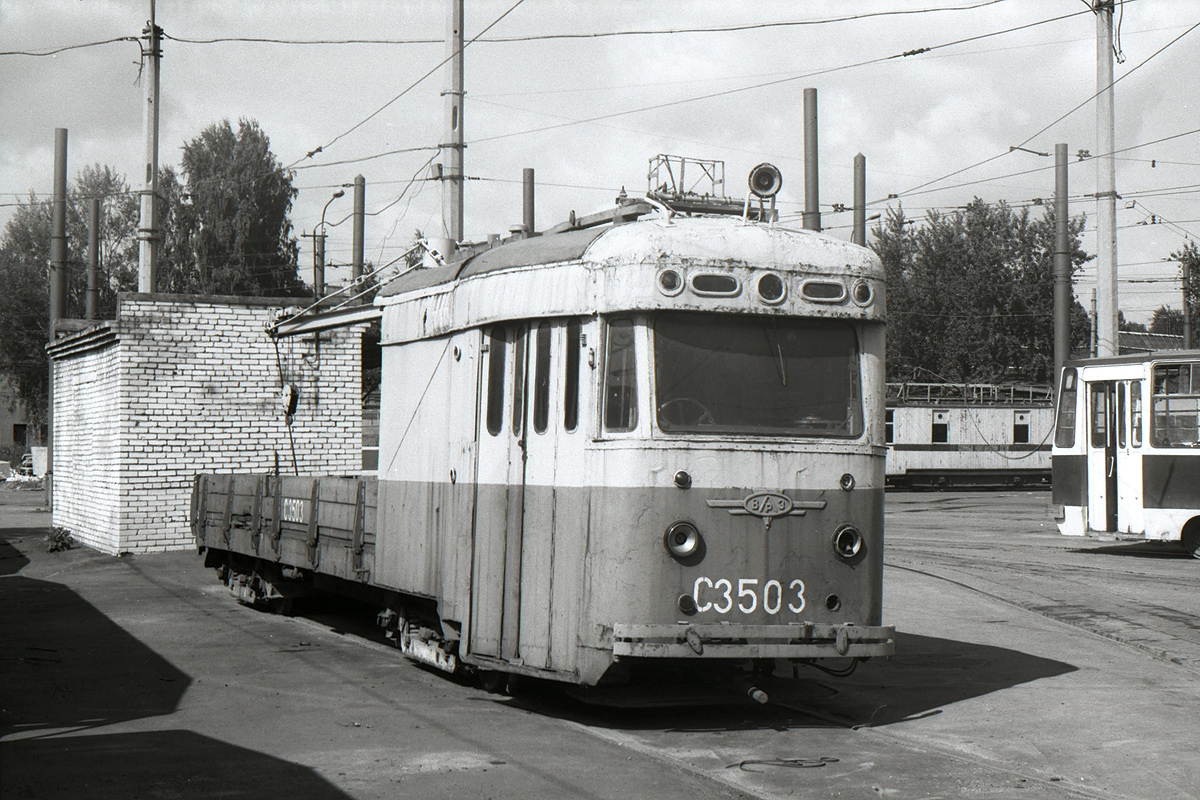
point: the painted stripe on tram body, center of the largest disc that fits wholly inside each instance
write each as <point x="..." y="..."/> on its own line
<point x="1069" y="487"/>
<point x="1171" y="481"/>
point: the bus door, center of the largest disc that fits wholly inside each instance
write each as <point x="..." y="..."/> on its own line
<point x="1130" y="438"/>
<point x="1102" y="456"/>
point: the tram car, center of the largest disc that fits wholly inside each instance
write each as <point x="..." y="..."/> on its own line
<point x="954" y="435"/>
<point x="1127" y="448"/>
<point x="645" y="442"/>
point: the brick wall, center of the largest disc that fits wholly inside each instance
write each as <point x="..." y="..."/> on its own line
<point x="179" y="385"/>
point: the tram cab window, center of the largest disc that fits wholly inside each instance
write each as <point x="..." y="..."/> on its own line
<point x="518" y="406"/>
<point x="1135" y="412"/>
<point x="1064" y="430"/>
<point x="1175" y="405"/>
<point x="497" y="347"/>
<point x="757" y="376"/>
<point x="620" y="377"/>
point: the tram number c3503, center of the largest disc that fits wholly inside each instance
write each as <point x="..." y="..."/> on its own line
<point x="747" y="596"/>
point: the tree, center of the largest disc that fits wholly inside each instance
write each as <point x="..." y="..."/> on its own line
<point x="1167" y="320"/>
<point x="25" y="274"/>
<point x="971" y="294"/>
<point x="1189" y="266"/>
<point x="1129" y="325"/>
<point x="228" y="230"/>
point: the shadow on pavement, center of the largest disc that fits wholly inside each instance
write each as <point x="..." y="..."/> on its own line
<point x="1138" y="550"/>
<point x="172" y="763"/>
<point x="927" y="674"/>
<point x="13" y="560"/>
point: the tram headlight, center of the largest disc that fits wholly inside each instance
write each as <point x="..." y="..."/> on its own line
<point x="684" y="542"/>
<point x="848" y="543"/>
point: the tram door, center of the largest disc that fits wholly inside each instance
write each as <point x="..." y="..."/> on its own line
<point x="509" y="614"/>
<point x="1130" y="435"/>
<point x="1102" y="456"/>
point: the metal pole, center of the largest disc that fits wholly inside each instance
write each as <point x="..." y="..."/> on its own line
<point x="360" y="192"/>
<point x="58" y="232"/>
<point x="148" y="224"/>
<point x="92" y="305"/>
<point x="319" y="263"/>
<point x="452" y="181"/>
<point x="812" y="192"/>
<point x="1187" y="307"/>
<point x="1106" y="187"/>
<point x="58" y="288"/>
<point x="1095" y="335"/>
<point x="1062" y="263"/>
<point x="527" y="206"/>
<point x="859" y="236"/>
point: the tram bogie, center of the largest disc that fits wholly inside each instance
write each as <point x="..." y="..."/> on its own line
<point x="655" y="442"/>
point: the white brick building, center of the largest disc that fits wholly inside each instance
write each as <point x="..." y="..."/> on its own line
<point x="182" y="384"/>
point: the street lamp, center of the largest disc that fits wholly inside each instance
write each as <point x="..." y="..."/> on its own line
<point x="319" y="249"/>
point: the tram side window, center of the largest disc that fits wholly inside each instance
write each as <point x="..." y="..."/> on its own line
<point x="1099" y="406"/>
<point x="495" y="391"/>
<point x="940" y="431"/>
<point x="1175" y="406"/>
<point x="1135" y="412"/>
<point x="1121" y="415"/>
<point x="1064" y="430"/>
<point x="571" y="385"/>
<point x="541" y="380"/>
<point x="620" y="377"/>
<point x="518" y="414"/>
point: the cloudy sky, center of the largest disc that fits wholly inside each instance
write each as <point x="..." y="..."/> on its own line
<point x="585" y="92"/>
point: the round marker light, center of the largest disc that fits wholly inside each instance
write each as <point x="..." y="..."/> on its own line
<point x="770" y="289"/>
<point x="847" y="542"/>
<point x="682" y="540"/>
<point x="687" y="604"/>
<point x="862" y="293"/>
<point x="846" y="482"/>
<point x="670" y="282"/>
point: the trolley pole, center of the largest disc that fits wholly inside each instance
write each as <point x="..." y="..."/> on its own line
<point x="1062" y="263"/>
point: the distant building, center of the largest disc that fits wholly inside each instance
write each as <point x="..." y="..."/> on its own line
<point x="1143" y="342"/>
<point x="16" y="431"/>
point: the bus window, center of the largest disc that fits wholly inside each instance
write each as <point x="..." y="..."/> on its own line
<point x="571" y="384"/>
<point x="1135" y="412"/>
<point x="620" y="377"/>
<point x="518" y="416"/>
<point x="1064" y="433"/>
<point x="1099" y="407"/>
<point x="495" y="390"/>
<point x="541" y="380"/>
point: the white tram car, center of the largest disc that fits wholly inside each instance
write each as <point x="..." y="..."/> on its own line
<point x="951" y="435"/>
<point x="653" y="442"/>
<point x="1127" y="448"/>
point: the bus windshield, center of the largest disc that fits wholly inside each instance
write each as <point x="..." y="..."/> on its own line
<point x="758" y="376"/>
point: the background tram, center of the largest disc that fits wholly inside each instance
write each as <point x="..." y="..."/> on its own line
<point x="646" y="441"/>
<point x="954" y="435"/>
<point x="1127" y="448"/>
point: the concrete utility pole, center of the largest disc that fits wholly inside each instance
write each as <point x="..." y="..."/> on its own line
<point x="452" y="178"/>
<point x="148" y="233"/>
<point x="859" y="234"/>
<point x="92" y="304"/>
<point x="1107" y="343"/>
<point x="811" y="219"/>
<point x="360" y="215"/>
<point x="58" y="287"/>
<point x="1062" y="263"/>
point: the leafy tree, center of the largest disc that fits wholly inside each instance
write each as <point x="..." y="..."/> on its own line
<point x="25" y="274"/>
<point x="228" y="230"/>
<point x="971" y="294"/>
<point x="1167" y="320"/>
<point x="1129" y="325"/>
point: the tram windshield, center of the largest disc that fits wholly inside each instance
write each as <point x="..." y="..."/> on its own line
<point x="759" y="376"/>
